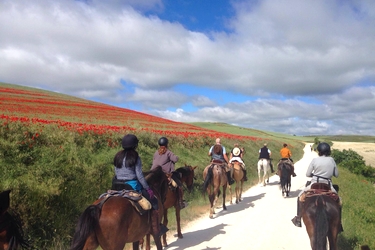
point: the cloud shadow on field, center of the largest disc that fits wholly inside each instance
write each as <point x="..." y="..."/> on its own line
<point x="197" y="237"/>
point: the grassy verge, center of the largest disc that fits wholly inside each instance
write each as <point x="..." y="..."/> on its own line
<point x="358" y="214"/>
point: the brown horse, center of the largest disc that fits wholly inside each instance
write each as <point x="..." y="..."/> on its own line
<point x="186" y="176"/>
<point x="321" y="216"/>
<point x="116" y="222"/>
<point x="215" y="177"/>
<point x="11" y="232"/>
<point x="285" y="173"/>
<point x="238" y="175"/>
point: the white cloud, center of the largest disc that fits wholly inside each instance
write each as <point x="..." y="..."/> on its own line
<point x="279" y="53"/>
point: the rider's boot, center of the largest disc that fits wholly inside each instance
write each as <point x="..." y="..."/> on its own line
<point x="244" y="174"/>
<point x="294" y="174"/>
<point x="230" y="179"/>
<point x="156" y="227"/>
<point x="297" y="219"/>
<point x="271" y="165"/>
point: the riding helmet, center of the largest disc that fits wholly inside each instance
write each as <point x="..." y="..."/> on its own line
<point x="163" y="141"/>
<point x="129" y="141"/>
<point x="324" y="148"/>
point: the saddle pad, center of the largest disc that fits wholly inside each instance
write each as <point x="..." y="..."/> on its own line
<point x="129" y="194"/>
<point x="315" y="192"/>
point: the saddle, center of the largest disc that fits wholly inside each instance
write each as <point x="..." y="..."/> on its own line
<point x="320" y="189"/>
<point x="140" y="203"/>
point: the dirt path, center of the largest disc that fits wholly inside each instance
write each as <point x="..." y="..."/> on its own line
<point x="261" y="221"/>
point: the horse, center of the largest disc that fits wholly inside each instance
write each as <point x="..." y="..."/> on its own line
<point x="238" y="175"/>
<point x="186" y="176"/>
<point x="11" y="232"/>
<point x="215" y="177"/>
<point x="116" y="222"/>
<point x="322" y="218"/>
<point x="265" y="165"/>
<point x="285" y="173"/>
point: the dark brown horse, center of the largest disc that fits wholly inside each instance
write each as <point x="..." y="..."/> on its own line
<point x="11" y="233"/>
<point x="116" y="222"/>
<point x="285" y="174"/>
<point x="215" y="177"/>
<point x="186" y="176"/>
<point x="321" y="216"/>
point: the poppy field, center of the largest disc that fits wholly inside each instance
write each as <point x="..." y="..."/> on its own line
<point x="56" y="155"/>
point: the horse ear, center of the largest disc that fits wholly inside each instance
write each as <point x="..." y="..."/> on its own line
<point x="4" y="201"/>
<point x="195" y="167"/>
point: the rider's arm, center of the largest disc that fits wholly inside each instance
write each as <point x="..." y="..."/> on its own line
<point x="309" y="171"/>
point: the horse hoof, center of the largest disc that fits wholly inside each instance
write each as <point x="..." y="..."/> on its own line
<point x="180" y="236"/>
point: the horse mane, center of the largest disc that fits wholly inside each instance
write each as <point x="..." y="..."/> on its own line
<point x="12" y="221"/>
<point x="156" y="178"/>
<point x="183" y="170"/>
<point x="218" y="149"/>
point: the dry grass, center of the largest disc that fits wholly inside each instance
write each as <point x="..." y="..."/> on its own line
<point x="366" y="150"/>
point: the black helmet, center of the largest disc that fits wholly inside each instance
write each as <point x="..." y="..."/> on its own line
<point x="163" y="141"/>
<point x="324" y="148"/>
<point x="129" y="141"/>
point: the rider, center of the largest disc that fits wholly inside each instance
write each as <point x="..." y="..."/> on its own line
<point x="321" y="170"/>
<point x="265" y="153"/>
<point x="128" y="168"/>
<point x="236" y="154"/>
<point x="286" y="156"/>
<point x="222" y="158"/>
<point x="166" y="159"/>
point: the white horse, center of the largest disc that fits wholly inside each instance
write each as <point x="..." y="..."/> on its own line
<point x="265" y="165"/>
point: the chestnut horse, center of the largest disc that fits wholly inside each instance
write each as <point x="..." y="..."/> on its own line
<point x="11" y="232"/>
<point x="116" y="222"/>
<point x="285" y="173"/>
<point x="215" y="177"/>
<point x="186" y="176"/>
<point x="238" y="175"/>
<point x="321" y="216"/>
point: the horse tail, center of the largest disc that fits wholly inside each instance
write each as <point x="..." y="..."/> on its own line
<point x="321" y="224"/>
<point x="284" y="176"/>
<point x="16" y="230"/>
<point x="208" y="178"/>
<point x="87" y="223"/>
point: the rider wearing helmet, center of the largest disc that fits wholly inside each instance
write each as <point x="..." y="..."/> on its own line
<point x="128" y="165"/>
<point x="166" y="159"/>
<point x="128" y="170"/>
<point x="321" y="169"/>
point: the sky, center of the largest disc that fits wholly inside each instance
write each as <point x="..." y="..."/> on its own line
<point x="289" y="66"/>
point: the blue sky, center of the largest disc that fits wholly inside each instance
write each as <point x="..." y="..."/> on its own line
<point x="295" y="67"/>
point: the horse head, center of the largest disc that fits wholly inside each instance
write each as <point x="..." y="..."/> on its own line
<point x="187" y="176"/>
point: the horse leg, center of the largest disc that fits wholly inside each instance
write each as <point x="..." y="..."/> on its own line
<point x="230" y="194"/>
<point x="237" y="192"/>
<point x="178" y="219"/>
<point x="264" y="177"/>
<point x="165" y="223"/>
<point x="136" y="245"/>
<point x="224" y="195"/>
<point x="211" y="197"/>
